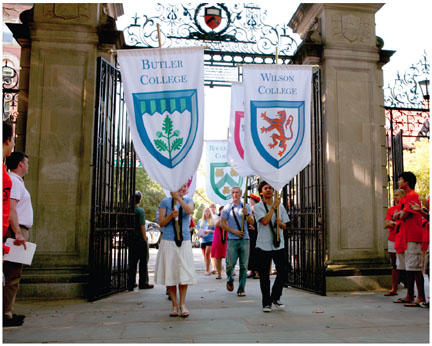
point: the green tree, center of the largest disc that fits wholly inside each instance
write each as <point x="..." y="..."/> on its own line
<point x="417" y="161"/>
<point x="152" y="193"/>
<point x="201" y="201"/>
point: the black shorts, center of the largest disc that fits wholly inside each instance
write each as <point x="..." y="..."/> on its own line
<point x="204" y="245"/>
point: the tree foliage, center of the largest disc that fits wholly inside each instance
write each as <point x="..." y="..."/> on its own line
<point x="201" y="201"/>
<point x="417" y="161"/>
<point x="152" y="193"/>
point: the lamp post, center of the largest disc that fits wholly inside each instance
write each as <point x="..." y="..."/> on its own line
<point x="424" y="88"/>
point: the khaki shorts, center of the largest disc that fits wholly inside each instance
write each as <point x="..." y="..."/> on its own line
<point x="411" y="259"/>
<point x="391" y="247"/>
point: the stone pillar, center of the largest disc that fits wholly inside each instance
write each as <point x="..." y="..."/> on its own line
<point x="65" y="42"/>
<point x="341" y="38"/>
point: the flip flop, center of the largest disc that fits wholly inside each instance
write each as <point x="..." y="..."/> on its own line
<point x="414" y="305"/>
<point x="184" y="311"/>
<point x="218" y="277"/>
<point x="400" y="301"/>
<point x="390" y="293"/>
<point x="241" y="294"/>
<point x="230" y="286"/>
<point x="174" y="312"/>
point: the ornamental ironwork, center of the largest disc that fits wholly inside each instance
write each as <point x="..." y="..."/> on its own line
<point x="10" y="92"/>
<point x="404" y="91"/>
<point x="242" y="28"/>
<point x="231" y="36"/>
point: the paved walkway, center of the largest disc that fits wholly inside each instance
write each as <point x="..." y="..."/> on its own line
<point x="219" y="316"/>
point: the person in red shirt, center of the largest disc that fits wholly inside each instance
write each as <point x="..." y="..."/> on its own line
<point x="408" y="242"/>
<point x="8" y="145"/>
<point x="425" y="243"/>
<point x="390" y="224"/>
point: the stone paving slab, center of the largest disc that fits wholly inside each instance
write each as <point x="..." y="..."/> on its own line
<point x="219" y="316"/>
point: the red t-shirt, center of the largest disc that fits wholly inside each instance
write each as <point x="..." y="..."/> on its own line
<point x="411" y="228"/>
<point x="425" y="240"/>
<point x="7" y="186"/>
<point x="392" y="230"/>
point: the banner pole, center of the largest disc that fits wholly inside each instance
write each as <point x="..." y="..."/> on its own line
<point x="245" y="201"/>
<point x="277" y="192"/>
<point x="159" y="35"/>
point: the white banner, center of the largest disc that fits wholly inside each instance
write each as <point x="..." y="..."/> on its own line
<point x="277" y="131"/>
<point x="221" y="177"/>
<point x="191" y="187"/>
<point x="164" y="97"/>
<point x="236" y="132"/>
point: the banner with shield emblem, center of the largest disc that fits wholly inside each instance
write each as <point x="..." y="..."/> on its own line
<point x="221" y="177"/>
<point x="277" y="121"/>
<point x="236" y="132"/>
<point x="164" y="99"/>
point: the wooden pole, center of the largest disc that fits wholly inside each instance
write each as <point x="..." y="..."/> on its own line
<point x="159" y="35"/>
<point x="277" y="217"/>
<point x="245" y="201"/>
<point x="277" y="192"/>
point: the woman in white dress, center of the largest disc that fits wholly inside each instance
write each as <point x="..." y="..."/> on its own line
<point x="174" y="262"/>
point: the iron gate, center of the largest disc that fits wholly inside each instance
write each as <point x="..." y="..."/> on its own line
<point x="304" y="201"/>
<point x="112" y="212"/>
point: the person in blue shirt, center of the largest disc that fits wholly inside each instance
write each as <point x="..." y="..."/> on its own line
<point x="267" y="248"/>
<point x="174" y="261"/>
<point x="238" y="239"/>
<point x="207" y="226"/>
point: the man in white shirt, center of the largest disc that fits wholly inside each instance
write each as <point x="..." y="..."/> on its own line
<point x="21" y="221"/>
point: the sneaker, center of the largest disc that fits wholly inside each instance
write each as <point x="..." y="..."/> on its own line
<point x="278" y="304"/>
<point x="267" y="308"/>
<point x="424" y="305"/>
<point x="16" y="320"/>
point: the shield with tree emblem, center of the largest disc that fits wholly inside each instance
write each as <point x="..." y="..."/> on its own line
<point x="167" y="122"/>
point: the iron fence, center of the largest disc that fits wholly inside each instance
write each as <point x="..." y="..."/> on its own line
<point x="112" y="214"/>
<point x="304" y="201"/>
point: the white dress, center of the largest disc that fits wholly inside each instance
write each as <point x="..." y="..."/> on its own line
<point x="175" y="265"/>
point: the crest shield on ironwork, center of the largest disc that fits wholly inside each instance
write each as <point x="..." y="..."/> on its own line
<point x="167" y="123"/>
<point x="223" y="178"/>
<point x="212" y="17"/>
<point x="278" y="129"/>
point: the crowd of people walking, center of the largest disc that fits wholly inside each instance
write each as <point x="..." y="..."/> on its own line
<point x="251" y="234"/>
<point x="232" y="232"/>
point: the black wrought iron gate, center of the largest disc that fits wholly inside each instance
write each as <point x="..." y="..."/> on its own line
<point x="113" y="186"/>
<point x="304" y="201"/>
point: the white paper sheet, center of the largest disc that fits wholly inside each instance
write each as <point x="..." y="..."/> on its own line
<point x="18" y="254"/>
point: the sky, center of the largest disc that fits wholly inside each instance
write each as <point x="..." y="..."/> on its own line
<point x="404" y="26"/>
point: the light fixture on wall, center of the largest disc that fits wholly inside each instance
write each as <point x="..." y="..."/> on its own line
<point x="424" y="87"/>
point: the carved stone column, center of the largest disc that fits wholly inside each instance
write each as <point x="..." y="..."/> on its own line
<point x="341" y="38"/>
<point x="65" y="40"/>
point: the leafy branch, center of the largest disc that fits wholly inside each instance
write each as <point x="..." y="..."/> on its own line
<point x="162" y="145"/>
